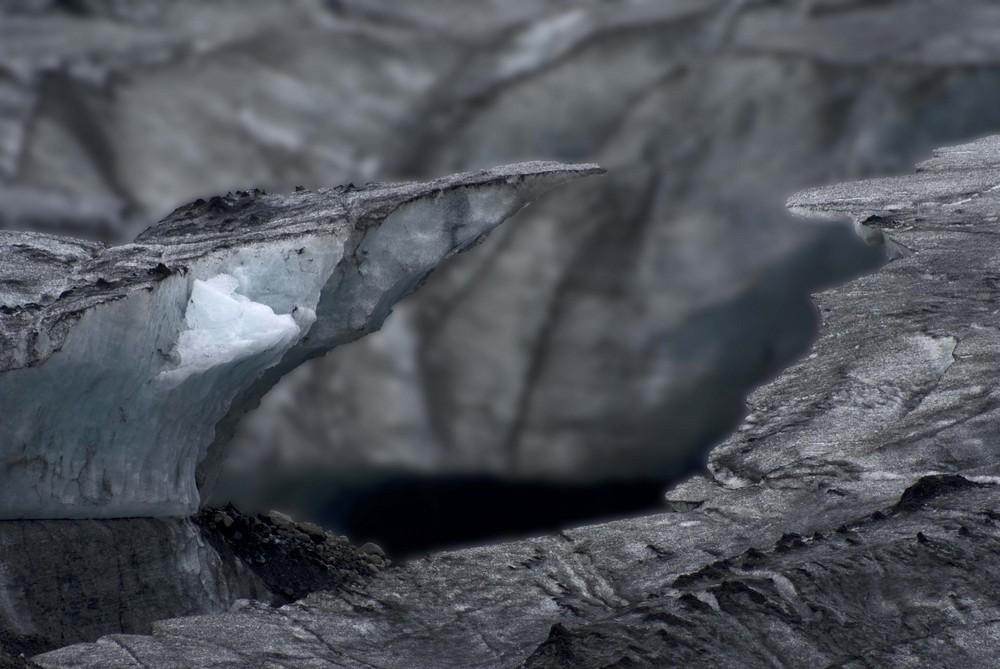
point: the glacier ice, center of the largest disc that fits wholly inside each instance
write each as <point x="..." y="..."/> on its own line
<point x="124" y="369"/>
<point x="224" y="326"/>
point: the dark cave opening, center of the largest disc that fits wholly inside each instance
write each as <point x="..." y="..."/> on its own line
<point x="411" y="516"/>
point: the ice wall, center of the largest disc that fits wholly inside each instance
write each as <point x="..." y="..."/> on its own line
<point x="122" y="369"/>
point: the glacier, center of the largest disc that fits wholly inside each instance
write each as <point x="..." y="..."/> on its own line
<point x="851" y="521"/>
<point x="124" y="369"/>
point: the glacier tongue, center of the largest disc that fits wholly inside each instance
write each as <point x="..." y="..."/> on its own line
<point x="124" y="369"/>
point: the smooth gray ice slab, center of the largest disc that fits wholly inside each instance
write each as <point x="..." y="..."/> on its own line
<point x="123" y="368"/>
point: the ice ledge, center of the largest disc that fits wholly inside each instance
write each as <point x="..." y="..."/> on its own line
<point x="959" y="185"/>
<point x="123" y="369"/>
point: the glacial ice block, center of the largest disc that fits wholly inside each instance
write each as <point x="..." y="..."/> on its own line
<point x="221" y="326"/>
<point x="124" y="369"/>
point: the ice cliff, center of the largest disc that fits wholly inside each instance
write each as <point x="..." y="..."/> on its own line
<point x="123" y="369"/>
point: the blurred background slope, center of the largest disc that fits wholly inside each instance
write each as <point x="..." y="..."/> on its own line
<point x="592" y="349"/>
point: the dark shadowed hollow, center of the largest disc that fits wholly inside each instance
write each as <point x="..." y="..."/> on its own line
<point x="588" y="353"/>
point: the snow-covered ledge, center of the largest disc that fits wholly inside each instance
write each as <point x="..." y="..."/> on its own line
<point x="123" y="369"/>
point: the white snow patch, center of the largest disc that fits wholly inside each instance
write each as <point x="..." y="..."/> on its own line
<point x="224" y="326"/>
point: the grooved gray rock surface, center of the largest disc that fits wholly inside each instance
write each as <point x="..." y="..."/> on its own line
<point x="70" y="581"/>
<point x="66" y="581"/>
<point x="850" y="522"/>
